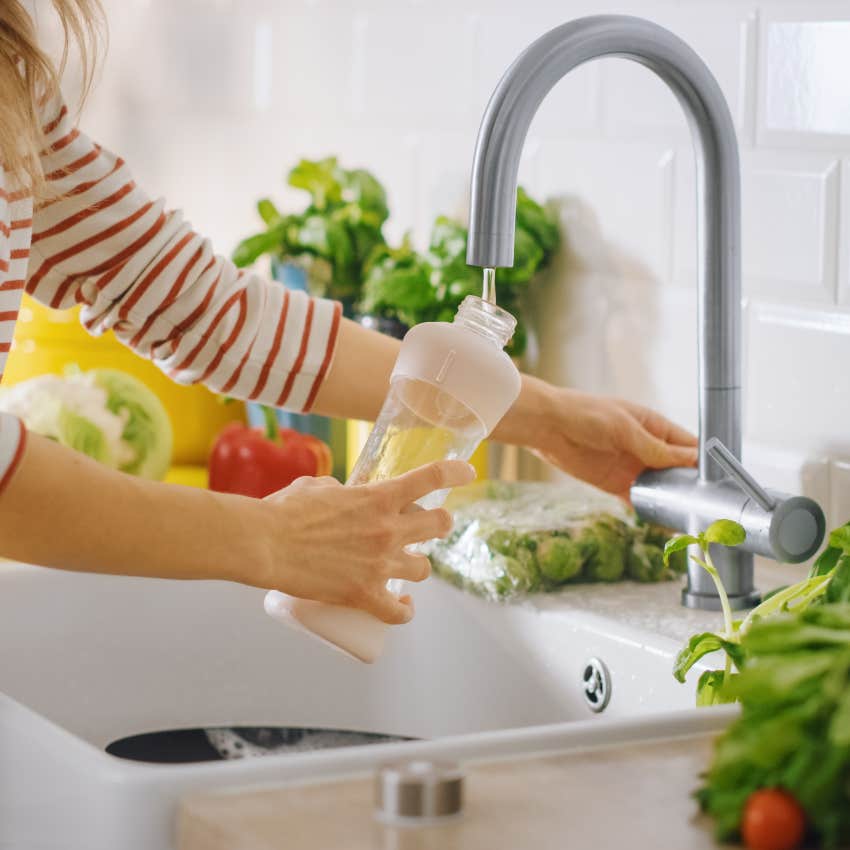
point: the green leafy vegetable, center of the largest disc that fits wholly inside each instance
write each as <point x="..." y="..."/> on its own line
<point x="840" y="539"/>
<point x="435" y="283"/>
<point x="268" y="211"/>
<point x="532" y="218"/>
<point x="104" y="413"/>
<point x="794" y="729"/>
<point x="710" y="688"/>
<point x="342" y="224"/>
<point x="725" y="532"/>
<point x="147" y="428"/>
<point x="81" y="434"/>
<point x="398" y="283"/>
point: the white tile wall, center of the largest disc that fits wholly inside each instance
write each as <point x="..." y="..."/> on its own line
<point x="790" y="216"/>
<point x="802" y="67"/>
<point x="213" y="100"/>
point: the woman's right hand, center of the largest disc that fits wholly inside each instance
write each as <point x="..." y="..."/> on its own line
<point x="342" y="544"/>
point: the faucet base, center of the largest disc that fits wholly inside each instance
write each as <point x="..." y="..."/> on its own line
<point x="711" y="601"/>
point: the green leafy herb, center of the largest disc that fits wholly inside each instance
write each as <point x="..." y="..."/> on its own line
<point x="342" y="224"/>
<point x="724" y="532"/>
<point x="793" y="732"/>
<point x="398" y="283"/>
<point x="413" y="287"/>
<point x="828" y="582"/>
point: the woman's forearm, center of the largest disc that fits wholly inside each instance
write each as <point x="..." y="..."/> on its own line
<point x="61" y="509"/>
<point x="359" y="377"/>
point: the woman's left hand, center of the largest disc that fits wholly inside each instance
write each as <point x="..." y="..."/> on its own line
<point x="605" y="441"/>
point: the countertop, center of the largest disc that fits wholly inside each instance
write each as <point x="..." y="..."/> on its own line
<point x="630" y="796"/>
<point x="656" y="608"/>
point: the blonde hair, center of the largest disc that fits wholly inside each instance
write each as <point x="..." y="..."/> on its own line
<point x="28" y="77"/>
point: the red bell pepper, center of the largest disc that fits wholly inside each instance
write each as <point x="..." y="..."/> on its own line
<point x="260" y="461"/>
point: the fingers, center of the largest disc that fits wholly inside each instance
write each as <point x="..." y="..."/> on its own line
<point x="420" y="482"/>
<point x="661" y="427"/>
<point x="412" y="567"/>
<point x="391" y="609"/>
<point x="415" y="527"/>
<point x="655" y="453"/>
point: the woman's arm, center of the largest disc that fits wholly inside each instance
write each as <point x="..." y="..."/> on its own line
<point x="145" y="274"/>
<point x="140" y="270"/>
<point x="605" y="441"/>
<point x="61" y="509"/>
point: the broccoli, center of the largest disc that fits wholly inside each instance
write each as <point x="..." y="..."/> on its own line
<point x="604" y="546"/>
<point x="656" y="536"/>
<point x="511" y="543"/>
<point x="514" y="554"/>
<point x="559" y="558"/>
<point x="646" y="563"/>
<point x="520" y="575"/>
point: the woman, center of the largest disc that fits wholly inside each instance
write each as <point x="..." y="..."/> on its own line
<point x="75" y="229"/>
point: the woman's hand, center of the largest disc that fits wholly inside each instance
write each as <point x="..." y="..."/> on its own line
<point x="605" y="441"/>
<point x="315" y="539"/>
<point x="341" y="545"/>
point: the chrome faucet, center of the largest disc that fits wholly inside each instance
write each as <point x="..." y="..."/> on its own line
<point x="782" y="527"/>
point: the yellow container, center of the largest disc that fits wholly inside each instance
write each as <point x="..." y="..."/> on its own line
<point x="46" y="341"/>
<point x="188" y="476"/>
<point x="358" y="433"/>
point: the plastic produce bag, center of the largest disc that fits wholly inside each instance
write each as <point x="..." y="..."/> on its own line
<point x="511" y="539"/>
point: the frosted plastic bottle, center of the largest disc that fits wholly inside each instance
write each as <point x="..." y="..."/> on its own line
<point x="450" y="386"/>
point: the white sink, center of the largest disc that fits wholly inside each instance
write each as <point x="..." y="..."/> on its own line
<point x="85" y="660"/>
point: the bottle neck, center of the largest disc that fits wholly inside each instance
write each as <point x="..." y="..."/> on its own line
<point x="486" y="319"/>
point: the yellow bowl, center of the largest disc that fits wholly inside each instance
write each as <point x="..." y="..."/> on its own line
<point x="46" y="341"/>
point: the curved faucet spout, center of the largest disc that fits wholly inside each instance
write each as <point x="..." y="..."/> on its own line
<point x="492" y="210"/>
<point x="791" y="528"/>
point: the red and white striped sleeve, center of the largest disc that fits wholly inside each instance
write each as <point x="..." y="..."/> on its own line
<point x="13" y="437"/>
<point x="140" y="270"/>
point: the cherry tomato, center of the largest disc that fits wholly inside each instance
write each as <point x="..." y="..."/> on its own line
<point x="773" y="820"/>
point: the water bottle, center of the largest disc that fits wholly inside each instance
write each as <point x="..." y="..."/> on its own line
<point x="451" y="384"/>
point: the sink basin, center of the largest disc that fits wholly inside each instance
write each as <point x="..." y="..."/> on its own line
<point x="86" y="660"/>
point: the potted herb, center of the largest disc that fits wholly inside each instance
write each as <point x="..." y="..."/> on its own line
<point x="403" y="285"/>
<point x="322" y="249"/>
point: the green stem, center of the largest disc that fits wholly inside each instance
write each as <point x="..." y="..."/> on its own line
<point x="272" y="428"/>
<point x="708" y="566"/>
<point x="797" y="596"/>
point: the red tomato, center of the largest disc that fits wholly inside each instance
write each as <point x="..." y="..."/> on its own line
<point x="773" y="820"/>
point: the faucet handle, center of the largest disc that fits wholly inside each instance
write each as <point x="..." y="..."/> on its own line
<point x="785" y="528"/>
<point x="735" y="470"/>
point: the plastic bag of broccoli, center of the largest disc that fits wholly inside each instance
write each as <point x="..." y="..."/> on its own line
<point x="512" y="539"/>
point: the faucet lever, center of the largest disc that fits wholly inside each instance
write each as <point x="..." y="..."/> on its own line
<point x="735" y="470"/>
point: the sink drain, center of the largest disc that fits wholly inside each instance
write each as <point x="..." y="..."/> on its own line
<point x="596" y="685"/>
<point x="187" y="746"/>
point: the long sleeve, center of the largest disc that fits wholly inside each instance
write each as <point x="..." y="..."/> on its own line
<point x="140" y="270"/>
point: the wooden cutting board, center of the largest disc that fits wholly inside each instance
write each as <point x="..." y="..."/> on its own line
<point x="625" y="797"/>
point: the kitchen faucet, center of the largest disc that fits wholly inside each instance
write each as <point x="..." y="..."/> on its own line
<point x="779" y="526"/>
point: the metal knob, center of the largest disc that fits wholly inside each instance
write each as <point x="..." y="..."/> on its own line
<point x="787" y="528"/>
<point x="418" y="792"/>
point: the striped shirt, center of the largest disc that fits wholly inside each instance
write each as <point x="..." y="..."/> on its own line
<point x="138" y="269"/>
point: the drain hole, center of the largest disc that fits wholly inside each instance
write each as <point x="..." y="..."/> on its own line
<point x="596" y="685"/>
<point x="185" y="746"/>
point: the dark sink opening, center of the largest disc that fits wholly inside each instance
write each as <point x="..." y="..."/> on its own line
<point x="187" y="746"/>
